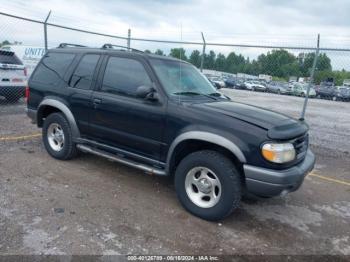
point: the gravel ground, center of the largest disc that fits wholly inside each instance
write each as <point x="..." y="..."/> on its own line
<point x="92" y="206"/>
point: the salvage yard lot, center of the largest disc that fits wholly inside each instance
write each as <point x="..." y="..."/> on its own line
<point x="92" y="206"/>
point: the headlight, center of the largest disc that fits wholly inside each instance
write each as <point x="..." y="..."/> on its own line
<point x="278" y="153"/>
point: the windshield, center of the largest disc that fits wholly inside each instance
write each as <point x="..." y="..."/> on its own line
<point x="180" y="78"/>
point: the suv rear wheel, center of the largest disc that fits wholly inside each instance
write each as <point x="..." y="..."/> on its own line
<point x="208" y="185"/>
<point x="57" y="137"/>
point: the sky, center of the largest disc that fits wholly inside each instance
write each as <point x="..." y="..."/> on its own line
<point x="264" y="22"/>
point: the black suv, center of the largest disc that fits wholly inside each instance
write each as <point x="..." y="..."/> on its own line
<point x="161" y="115"/>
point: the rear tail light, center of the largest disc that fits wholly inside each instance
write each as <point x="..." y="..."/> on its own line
<point x="27" y="93"/>
<point x="25" y="71"/>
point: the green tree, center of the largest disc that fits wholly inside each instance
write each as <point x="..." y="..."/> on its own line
<point x="159" y="52"/>
<point x="338" y="76"/>
<point x="179" y="53"/>
<point x="209" y="60"/>
<point x="195" y="58"/>
<point x="220" y="62"/>
<point x="5" y="42"/>
<point x="306" y="61"/>
<point x="148" y="51"/>
<point x="279" y="63"/>
<point x="235" y="63"/>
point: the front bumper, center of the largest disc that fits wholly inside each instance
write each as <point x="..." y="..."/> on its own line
<point x="269" y="182"/>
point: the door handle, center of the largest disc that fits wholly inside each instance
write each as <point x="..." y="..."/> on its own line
<point x="96" y="102"/>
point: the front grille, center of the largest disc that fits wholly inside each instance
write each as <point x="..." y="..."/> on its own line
<point x="301" y="145"/>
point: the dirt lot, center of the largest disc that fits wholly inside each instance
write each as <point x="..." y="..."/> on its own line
<point x="92" y="206"/>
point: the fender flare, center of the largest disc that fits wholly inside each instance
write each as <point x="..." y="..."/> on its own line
<point x="65" y="110"/>
<point x="207" y="137"/>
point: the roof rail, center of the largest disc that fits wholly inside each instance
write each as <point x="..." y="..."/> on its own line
<point x="63" y="45"/>
<point x="109" y="46"/>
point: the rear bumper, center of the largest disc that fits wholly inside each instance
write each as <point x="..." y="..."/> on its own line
<point x="269" y="182"/>
<point x="31" y="113"/>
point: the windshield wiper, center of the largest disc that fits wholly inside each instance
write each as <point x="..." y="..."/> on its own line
<point x="186" y="93"/>
<point x="216" y="94"/>
<point x="193" y="94"/>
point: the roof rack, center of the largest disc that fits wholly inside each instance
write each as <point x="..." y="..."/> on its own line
<point x="109" y="46"/>
<point x="63" y="45"/>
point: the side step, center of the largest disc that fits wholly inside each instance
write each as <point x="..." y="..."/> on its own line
<point x="113" y="157"/>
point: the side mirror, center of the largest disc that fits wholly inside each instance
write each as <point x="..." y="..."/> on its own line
<point x="146" y="92"/>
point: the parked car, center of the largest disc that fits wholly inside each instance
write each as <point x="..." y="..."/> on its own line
<point x="13" y="77"/>
<point x="218" y="81"/>
<point x="215" y="84"/>
<point x="326" y="91"/>
<point x="230" y="82"/>
<point x="240" y="84"/>
<point x="342" y="94"/>
<point x="300" y="89"/>
<point x="277" y="87"/>
<point x="160" y="115"/>
<point x="255" y="86"/>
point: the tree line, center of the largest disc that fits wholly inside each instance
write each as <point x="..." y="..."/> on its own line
<point x="280" y="64"/>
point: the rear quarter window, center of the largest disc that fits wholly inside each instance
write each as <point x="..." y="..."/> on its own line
<point x="83" y="74"/>
<point x="52" y="68"/>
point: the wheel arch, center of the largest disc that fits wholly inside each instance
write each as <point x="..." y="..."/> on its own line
<point x="192" y="140"/>
<point x="51" y="105"/>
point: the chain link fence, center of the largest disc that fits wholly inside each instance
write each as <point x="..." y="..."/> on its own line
<point x="269" y="67"/>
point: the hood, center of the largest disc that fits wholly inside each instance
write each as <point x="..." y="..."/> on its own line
<point x="279" y="126"/>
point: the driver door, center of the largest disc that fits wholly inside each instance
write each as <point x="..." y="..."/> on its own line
<point x="121" y="119"/>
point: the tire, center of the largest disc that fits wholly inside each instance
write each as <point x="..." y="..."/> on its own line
<point x="226" y="183"/>
<point x="278" y="91"/>
<point x="302" y="95"/>
<point x="334" y="98"/>
<point x="62" y="151"/>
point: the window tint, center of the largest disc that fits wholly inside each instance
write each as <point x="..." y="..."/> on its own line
<point x="52" y="68"/>
<point x="123" y="76"/>
<point x="82" y="76"/>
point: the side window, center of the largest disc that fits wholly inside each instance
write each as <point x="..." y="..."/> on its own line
<point x="52" y="68"/>
<point x="123" y="76"/>
<point x="82" y="76"/>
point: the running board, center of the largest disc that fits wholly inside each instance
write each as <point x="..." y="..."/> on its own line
<point x="112" y="157"/>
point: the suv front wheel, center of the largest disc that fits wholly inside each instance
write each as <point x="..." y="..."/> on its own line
<point x="57" y="137"/>
<point x="208" y="185"/>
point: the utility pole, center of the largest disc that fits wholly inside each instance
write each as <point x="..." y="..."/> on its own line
<point x="203" y="52"/>
<point x="312" y="75"/>
<point x="129" y="36"/>
<point x="45" y="29"/>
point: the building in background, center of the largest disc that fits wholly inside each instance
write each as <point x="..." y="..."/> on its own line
<point x="266" y="78"/>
